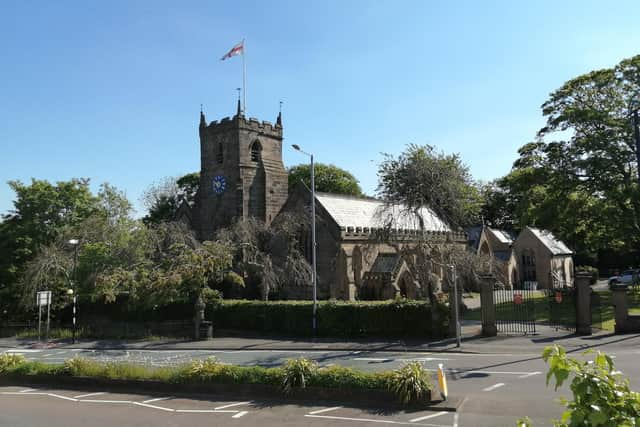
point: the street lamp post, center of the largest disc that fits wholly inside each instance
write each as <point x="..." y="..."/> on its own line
<point x="314" y="276"/>
<point x="634" y="107"/>
<point x="74" y="243"/>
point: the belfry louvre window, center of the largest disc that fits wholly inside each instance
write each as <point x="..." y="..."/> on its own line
<point x="256" y="151"/>
<point x="220" y="154"/>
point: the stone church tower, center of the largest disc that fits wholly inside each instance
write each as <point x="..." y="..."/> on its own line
<point x="241" y="172"/>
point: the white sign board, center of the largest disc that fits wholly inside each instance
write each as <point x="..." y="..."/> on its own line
<point x="43" y="298"/>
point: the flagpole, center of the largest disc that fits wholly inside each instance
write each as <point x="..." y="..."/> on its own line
<point x="244" y="78"/>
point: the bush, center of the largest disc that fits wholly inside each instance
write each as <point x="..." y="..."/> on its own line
<point x="411" y="383"/>
<point x="595" y="275"/>
<point x="297" y="372"/>
<point x="8" y="361"/>
<point x="402" y="318"/>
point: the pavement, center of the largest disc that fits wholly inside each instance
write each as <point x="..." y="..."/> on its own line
<point x="471" y="342"/>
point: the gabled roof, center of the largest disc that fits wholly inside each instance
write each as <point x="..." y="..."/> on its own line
<point x="503" y="236"/>
<point x="557" y="247"/>
<point x="350" y="211"/>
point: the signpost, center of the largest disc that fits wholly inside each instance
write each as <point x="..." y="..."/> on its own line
<point x="43" y="298"/>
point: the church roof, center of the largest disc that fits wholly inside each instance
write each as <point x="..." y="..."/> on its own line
<point x="350" y="211"/>
<point x="503" y="236"/>
<point x="557" y="247"/>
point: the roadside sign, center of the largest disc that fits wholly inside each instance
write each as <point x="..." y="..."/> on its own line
<point x="517" y="298"/>
<point x="43" y="298"/>
<point x="558" y="297"/>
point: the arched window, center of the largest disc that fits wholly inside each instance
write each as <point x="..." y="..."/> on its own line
<point x="220" y="155"/>
<point x="256" y="151"/>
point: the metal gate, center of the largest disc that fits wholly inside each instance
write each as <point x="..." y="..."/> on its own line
<point x="562" y="306"/>
<point x="515" y="311"/>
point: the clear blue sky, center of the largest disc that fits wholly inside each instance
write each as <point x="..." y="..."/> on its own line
<point x="111" y="90"/>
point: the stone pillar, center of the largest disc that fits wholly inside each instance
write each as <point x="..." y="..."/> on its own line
<point x="200" y="306"/>
<point x="583" y="303"/>
<point x="621" y="308"/>
<point x="487" y="306"/>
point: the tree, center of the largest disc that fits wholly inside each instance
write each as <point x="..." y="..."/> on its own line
<point x="163" y="199"/>
<point x="583" y="187"/>
<point x="423" y="177"/>
<point x="41" y="213"/>
<point x="328" y="179"/>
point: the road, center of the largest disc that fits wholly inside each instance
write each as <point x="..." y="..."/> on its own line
<point x="497" y="390"/>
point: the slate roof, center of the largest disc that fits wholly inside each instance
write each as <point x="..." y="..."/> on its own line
<point x="385" y="263"/>
<point x="503" y="236"/>
<point x="350" y="211"/>
<point x="557" y="247"/>
<point x="473" y="234"/>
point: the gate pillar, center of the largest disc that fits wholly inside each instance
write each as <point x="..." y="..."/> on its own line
<point x="583" y="303"/>
<point x="487" y="306"/>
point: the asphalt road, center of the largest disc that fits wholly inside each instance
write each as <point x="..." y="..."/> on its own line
<point x="497" y="390"/>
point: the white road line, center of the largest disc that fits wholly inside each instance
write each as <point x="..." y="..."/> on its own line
<point x="62" y="397"/>
<point x="493" y="387"/>
<point x="372" y="420"/>
<point x="89" y="394"/>
<point x="146" y="405"/>
<point x="320" y="411"/>
<point x="231" y="405"/>
<point x="529" y="375"/>
<point x="205" y="411"/>
<point x="455" y="371"/>
<point x="426" y="417"/>
<point x="27" y="390"/>
<point x="157" y="399"/>
<point x="421" y="359"/>
<point x="103" y="401"/>
<point x="373" y="359"/>
<point x="22" y="350"/>
<point x="240" y="414"/>
<point x="455" y="420"/>
<point x="19" y="393"/>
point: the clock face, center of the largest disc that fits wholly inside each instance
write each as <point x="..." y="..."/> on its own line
<point x="219" y="184"/>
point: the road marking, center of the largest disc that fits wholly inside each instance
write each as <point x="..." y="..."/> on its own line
<point x="456" y="371"/>
<point x="426" y="417"/>
<point x="231" y="405"/>
<point x="373" y="359"/>
<point x="455" y="419"/>
<point x="421" y="359"/>
<point x="320" y="411"/>
<point x="157" y="399"/>
<point x="493" y="387"/>
<point x="22" y="350"/>
<point x="27" y="390"/>
<point x="205" y="411"/>
<point x="146" y="405"/>
<point x="62" y="397"/>
<point x="372" y="420"/>
<point x="529" y="375"/>
<point x="89" y="394"/>
<point x="240" y="414"/>
<point x="103" y="401"/>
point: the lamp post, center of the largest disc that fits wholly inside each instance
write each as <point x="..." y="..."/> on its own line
<point x="314" y="276"/>
<point x="75" y="243"/>
<point x="634" y="106"/>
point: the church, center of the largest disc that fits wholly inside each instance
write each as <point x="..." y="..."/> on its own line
<point x="242" y="175"/>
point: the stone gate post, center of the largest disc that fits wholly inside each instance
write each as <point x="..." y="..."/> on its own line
<point x="583" y="303"/>
<point x="621" y="308"/>
<point x="487" y="306"/>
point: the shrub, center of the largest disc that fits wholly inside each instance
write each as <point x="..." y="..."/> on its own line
<point x="402" y="318"/>
<point x="297" y="372"/>
<point x="411" y="383"/>
<point x="9" y="361"/>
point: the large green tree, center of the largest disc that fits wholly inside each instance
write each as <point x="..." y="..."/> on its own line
<point x="328" y="179"/>
<point x="580" y="177"/>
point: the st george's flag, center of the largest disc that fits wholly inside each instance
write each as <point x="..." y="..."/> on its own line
<point x="236" y="50"/>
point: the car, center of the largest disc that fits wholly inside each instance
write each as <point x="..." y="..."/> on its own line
<point x="628" y="277"/>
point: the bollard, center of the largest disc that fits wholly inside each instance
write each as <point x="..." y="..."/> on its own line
<point x="442" y="382"/>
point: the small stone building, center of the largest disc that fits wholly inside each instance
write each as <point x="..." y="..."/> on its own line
<point x="535" y="259"/>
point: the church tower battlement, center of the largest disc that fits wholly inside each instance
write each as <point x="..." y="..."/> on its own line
<point x="241" y="172"/>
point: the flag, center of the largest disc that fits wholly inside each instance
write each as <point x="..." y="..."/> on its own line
<point x="236" y="50"/>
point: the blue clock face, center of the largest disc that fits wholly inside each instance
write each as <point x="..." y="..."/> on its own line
<point x="219" y="184"/>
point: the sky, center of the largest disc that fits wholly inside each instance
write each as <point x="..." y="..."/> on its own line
<point x="112" y="90"/>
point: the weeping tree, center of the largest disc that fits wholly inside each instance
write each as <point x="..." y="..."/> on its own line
<point x="271" y="255"/>
<point x="431" y="191"/>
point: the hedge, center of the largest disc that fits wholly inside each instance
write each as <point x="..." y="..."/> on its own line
<point x="403" y="318"/>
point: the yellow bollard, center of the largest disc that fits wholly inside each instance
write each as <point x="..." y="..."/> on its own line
<point x="442" y="382"/>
